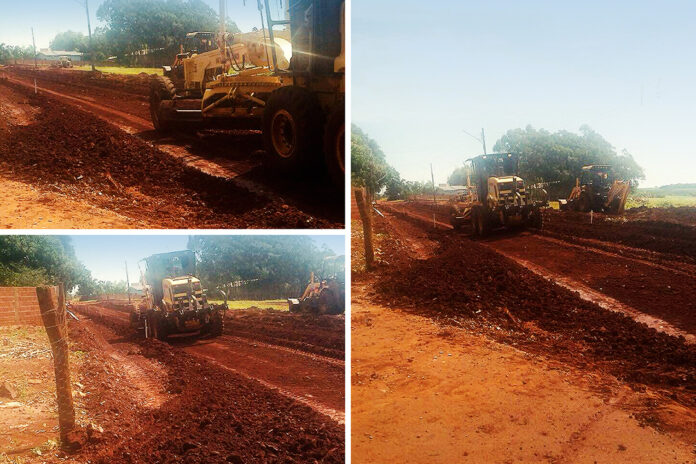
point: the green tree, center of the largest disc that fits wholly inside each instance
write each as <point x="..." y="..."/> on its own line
<point x="279" y="266"/>
<point x="70" y="41"/>
<point x="369" y="168"/>
<point x="133" y="25"/>
<point x="559" y="156"/>
<point x="458" y="176"/>
<point x="31" y="260"/>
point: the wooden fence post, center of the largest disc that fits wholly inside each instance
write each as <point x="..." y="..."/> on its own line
<point x="366" y="216"/>
<point x="53" y="316"/>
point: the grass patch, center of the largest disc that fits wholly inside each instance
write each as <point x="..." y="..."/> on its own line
<point x="121" y="69"/>
<point x="280" y="305"/>
<point x="661" y="202"/>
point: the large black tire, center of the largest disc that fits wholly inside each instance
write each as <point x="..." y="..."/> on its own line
<point x="292" y="128"/>
<point x="474" y="221"/>
<point x="335" y="146"/>
<point x="584" y="203"/>
<point x="479" y="222"/>
<point x="161" y="89"/>
<point x="217" y="324"/>
<point x="534" y="220"/>
<point x="157" y="329"/>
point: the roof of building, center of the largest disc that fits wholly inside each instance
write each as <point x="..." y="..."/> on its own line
<point x="49" y="52"/>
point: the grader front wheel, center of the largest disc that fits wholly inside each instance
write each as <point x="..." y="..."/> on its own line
<point x="161" y="89"/>
<point x="291" y="127"/>
<point x="334" y="146"/>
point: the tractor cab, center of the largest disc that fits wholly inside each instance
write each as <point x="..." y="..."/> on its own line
<point x="199" y="42"/>
<point x="597" y="189"/>
<point x="597" y="175"/>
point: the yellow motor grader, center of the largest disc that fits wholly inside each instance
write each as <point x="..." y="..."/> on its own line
<point x="597" y="190"/>
<point x="287" y="80"/>
<point x="175" y="300"/>
<point x="496" y="197"/>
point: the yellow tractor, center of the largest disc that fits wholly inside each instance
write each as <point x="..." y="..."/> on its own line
<point x="322" y="296"/>
<point x="597" y="190"/>
<point x="287" y="80"/>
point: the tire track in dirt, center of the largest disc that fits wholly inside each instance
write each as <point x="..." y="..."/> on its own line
<point x="146" y="375"/>
<point x="301" y="376"/>
<point x="600" y="299"/>
<point x="312" y="380"/>
<point x="337" y="416"/>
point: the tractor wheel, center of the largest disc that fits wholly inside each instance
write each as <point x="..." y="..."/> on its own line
<point x="584" y="203"/>
<point x="292" y="123"/>
<point x="157" y="329"/>
<point x="217" y="324"/>
<point x="536" y="220"/>
<point x="335" y="147"/>
<point x="161" y="89"/>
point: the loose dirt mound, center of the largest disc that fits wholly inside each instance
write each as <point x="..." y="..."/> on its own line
<point x="323" y="335"/>
<point x="72" y="152"/>
<point x="138" y="84"/>
<point x="467" y="283"/>
<point x="679" y="214"/>
<point x="211" y="416"/>
<point x="661" y="236"/>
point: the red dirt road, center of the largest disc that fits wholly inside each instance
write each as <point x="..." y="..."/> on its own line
<point x="55" y="147"/>
<point x="632" y="282"/>
<point x="455" y="348"/>
<point x="231" y="154"/>
<point x="311" y="379"/>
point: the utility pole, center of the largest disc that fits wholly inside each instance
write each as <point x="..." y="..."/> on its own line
<point x="432" y="177"/>
<point x="34" y="43"/>
<point x="127" y="283"/>
<point x="89" y="31"/>
<point x="482" y="139"/>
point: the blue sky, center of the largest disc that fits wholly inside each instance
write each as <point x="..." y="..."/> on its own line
<point x="424" y="71"/>
<point x="105" y="255"/>
<point x="48" y="17"/>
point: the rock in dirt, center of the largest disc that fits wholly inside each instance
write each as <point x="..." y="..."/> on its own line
<point x="8" y="391"/>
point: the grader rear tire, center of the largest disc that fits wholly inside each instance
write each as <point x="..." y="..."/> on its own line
<point x="161" y="89"/>
<point x="334" y="146"/>
<point x="292" y="126"/>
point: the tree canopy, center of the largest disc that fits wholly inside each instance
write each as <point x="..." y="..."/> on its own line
<point x="70" y="41"/>
<point x="33" y="260"/>
<point x="278" y="266"/>
<point x="133" y="25"/>
<point x="9" y="53"/>
<point x="369" y="169"/>
<point x="560" y="156"/>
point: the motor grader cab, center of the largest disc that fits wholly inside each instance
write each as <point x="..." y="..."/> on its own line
<point x="498" y="196"/>
<point x="175" y="300"/>
<point x="323" y="295"/>
<point x="197" y="62"/>
<point x="597" y="189"/>
<point x="286" y="79"/>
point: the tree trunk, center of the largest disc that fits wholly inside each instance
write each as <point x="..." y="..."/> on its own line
<point x="52" y="309"/>
<point x="365" y="209"/>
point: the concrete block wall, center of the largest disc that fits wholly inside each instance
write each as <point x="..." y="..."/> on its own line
<point x="19" y="306"/>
